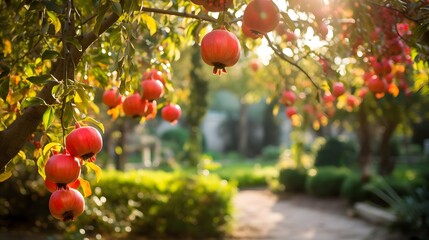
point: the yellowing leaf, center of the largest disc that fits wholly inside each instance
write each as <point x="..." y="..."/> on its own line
<point x="393" y="89"/>
<point x="7" y="47"/>
<point x="5" y="176"/>
<point x="86" y="187"/>
<point x="150" y="23"/>
<point x="54" y="21"/>
<point x="95" y="168"/>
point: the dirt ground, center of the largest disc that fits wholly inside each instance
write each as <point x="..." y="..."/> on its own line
<point x="261" y="214"/>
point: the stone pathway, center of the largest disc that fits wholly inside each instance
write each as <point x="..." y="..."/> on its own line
<point x="263" y="215"/>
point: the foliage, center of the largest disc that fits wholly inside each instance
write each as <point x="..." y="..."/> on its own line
<point x="139" y="202"/>
<point x="336" y="153"/>
<point x="271" y="152"/>
<point x="325" y="181"/>
<point x="352" y="189"/>
<point x="293" y="179"/>
<point x="175" y="138"/>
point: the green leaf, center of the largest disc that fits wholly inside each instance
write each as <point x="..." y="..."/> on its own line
<point x="39" y="79"/>
<point x="49" y="54"/>
<point x="5" y="176"/>
<point x="54" y="21"/>
<point x="48" y="117"/>
<point x="100" y="16"/>
<point x="150" y="23"/>
<point x="52" y="6"/>
<point x="4" y="88"/>
<point x="32" y="101"/>
<point x="75" y="43"/>
<point x="43" y="158"/>
<point x="95" y="122"/>
<point x="95" y="168"/>
<point x="117" y="8"/>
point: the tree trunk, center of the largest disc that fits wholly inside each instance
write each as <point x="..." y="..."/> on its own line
<point x="365" y="143"/>
<point x="243" y="130"/>
<point x="387" y="163"/>
<point x="271" y="126"/>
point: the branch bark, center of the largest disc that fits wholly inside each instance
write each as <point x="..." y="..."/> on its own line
<point x="13" y="138"/>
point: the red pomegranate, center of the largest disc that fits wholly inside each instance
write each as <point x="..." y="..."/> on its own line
<point x="246" y="31"/>
<point x="261" y="16"/>
<point x="217" y="5"/>
<point x="52" y="187"/>
<point x="151" y="110"/>
<point x="152" y="89"/>
<point x="288" y="98"/>
<point x="220" y="48"/>
<point x="112" y="97"/>
<point x="154" y="74"/>
<point x="199" y="2"/>
<point x="171" y="113"/>
<point x="134" y="105"/>
<point x="338" y="89"/>
<point x="328" y="98"/>
<point x="254" y="65"/>
<point x="62" y="169"/>
<point x="351" y="101"/>
<point x="66" y="204"/>
<point x="290" y="111"/>
<point x="377" y="85"/>
<point x="84" y="142"/>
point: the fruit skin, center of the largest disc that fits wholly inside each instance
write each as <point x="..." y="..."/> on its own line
<point x="261" y="16"/>
<point x="154" y="74"/>
<point x="220" y="48"/>
<point x="66" y="204"/>
<point x="152" y="89"/>
<point x="217" y="5"/>
<point x="253" y="35"/>
<point x="62" y="169"/>
<point x="171" y="112"/>
<point x="290" y="111"/>
<point x="198" y="2"/>
<point x="328" y="98"/>
<point x="376" y="85"/>
<point x="134" y="105"/>
<point x="52" y="187"/>
<point x="112" y="98"/>
<point x="338" y="89"/>
<point x="84" y="142"/>
<point x="288" y="98"/>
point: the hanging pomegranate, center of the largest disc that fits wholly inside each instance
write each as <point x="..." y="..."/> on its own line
<point x="134" y="105"/>
<point x="338" y="89"/>
<point x="290" y="111"/>
<point x="84" y="142"/>
<point x="220" y="48"/>
<point x="288" y="98"/>
<point x="112" y="98"/>
<point x="171" y="113"/>
<point x="217" y="5"/>
<point x="246" y="31"/>
<point x="154" y="74"/>
<point x="62" y="169"/>
<point x="152" y="89"/>
<point x="66" y="204"/>
<point x="52" y="187"/>
<point x="261" y="16"/>
<point x="377" y="85"/>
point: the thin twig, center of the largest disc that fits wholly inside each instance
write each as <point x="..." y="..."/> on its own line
<point x="285" y="58"/>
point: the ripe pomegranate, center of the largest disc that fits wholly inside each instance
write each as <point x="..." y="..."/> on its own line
<point x="171" y="113"/>
<point x="112" y="98"/>
<point x="288" y="98"/>
<point x="198" y="2"/>
<point x="328" y="98"/>
<point x="84" y="142"/>
<point x="134" y="106"/>
<point x="246" y="31"/>
<point x="261" y="16"/>
<point x="154" y="74"/>
<point x="220" y="48"/>
<point x="377" y="85"/>
<point x="338" y="89"/>
<point x="66" y="204"/>
<point x="217" y="5"/>
<point x="52" y="187"/>
<point x="151" y="110"/>
<point x="254" y="65"/>
<point x="351" y="101"/>
<point x="290" y="111"/>
<point x="152" y="89"/>
<point x="62" y="169"/>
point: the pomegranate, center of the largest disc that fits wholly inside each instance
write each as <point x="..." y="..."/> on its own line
<point x="199" y="2"/>
<point x="84" y="142"/>
<point x="246" y="31"/>
<point x="254" y="65"/>
<point x="351" y="101"/>
<point x="171" y="113"/>
<point x="66" y="204"/>
<point x="62" y="169"/>
<point x="288" y="98"/>
<point x="338" y="89"/>
<point x="151" y="110"/>
<point x="154" y="74"/>
<point x="217" y="5"/>
<point x="112" y="97"/>
<point x="328" y="98"/>
<point x="134" y="106"/>
<point x="261" y="16"/>
<point x="152" y="89"/>
<point x="290" y="111"/>
<point x="220" y="48"/>
<point x="52" y="187"/>
<point x="377" y="85"/>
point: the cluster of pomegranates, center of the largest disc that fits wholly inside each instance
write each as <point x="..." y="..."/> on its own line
<point x="62" y="172"/>
<point x="144" y="104"/>
<point x="214" y="5"/>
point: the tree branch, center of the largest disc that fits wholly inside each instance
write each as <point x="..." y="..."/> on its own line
<point x="180" y="14"/>
<point x="281" y="55"/>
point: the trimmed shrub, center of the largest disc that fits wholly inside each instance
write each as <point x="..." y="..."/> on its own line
<point x="336" y="153"/>
<point x="352" y="189"/>
<point x="271" y="152"/>
<point x="293" y="179"/>
<point x="326" y="181"/>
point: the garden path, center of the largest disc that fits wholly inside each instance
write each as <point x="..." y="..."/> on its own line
<point x="261" y="214"/>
